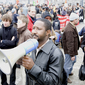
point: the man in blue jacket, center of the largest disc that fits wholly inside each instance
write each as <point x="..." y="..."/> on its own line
<point x="8" y="39"/>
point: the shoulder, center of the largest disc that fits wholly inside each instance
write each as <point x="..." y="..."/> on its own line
<point x="27" y="33"/>
<point x="57" y="51"/>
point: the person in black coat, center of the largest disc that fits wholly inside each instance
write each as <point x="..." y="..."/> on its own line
<point x="81" y="15"/>
<point x="56" y="24"/>
<point x="83" y="47"/>
<point x="8" y="40"/>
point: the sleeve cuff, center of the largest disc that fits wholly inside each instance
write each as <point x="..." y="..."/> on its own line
<point x="35" y="70"/>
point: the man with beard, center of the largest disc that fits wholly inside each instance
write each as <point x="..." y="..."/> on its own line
<point x="45" y="65"/>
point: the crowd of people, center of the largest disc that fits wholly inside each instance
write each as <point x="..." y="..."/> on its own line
<point x="46" y="65"/>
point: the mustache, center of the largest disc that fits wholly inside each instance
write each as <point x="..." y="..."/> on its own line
<point x="35" y="35"/>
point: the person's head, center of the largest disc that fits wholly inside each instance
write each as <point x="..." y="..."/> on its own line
<point x="19" y="12"/>
<point x="32" y="11"/>
<point x="41" y="30"/>
<point x="6" y="20"/>
<point x="22" y="21"/>
<point x="74" y="18"/>
<point x="13" y="11"/>
<point x="9" y="13"/>
<point x="47" y="16"/>
<point x="56" y="9"/>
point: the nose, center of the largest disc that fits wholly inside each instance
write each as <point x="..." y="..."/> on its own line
<point x="34" y="31"/>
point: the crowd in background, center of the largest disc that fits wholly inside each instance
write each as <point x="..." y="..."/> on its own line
<point x="53" y="13"/>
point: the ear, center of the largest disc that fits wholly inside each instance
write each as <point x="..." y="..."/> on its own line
<point x="48" y="32"/>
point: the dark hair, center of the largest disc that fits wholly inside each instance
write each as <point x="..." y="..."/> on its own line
<point x="47" y="23"/>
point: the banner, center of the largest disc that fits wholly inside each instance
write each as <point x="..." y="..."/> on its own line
<point x="63" y="20"/>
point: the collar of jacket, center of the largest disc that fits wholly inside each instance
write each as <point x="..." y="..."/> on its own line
<point x="47" y="47"/>
<point x="11" y="25"/>
<point x="30" y="18"/>
<point x="21" y="29"/>
<point x="71" y="25"/>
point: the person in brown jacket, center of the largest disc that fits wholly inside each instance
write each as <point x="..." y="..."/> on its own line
<point x="70" y="44"/>
<point x="23" y="34"/>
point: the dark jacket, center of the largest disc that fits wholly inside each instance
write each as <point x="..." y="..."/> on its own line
<point x="82" y="46"/>
<point x="6" y="37"/>
<point x="56" y="24"/>
<point x="48" y="66"/>
<point x="82" y="31"/>
<point x="83" y="43"/>
<point x="70" y="40"/>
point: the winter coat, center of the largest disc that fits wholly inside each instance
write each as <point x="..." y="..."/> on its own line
<point x="70" y="40"/>
<point x="48" y="66"/>
<point x="56" y="24"/>
<point x="6" y="37"/>
<point x="23" y="34"/>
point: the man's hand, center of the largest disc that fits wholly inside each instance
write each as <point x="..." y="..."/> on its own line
<point x="73" y="58"/>
<point x="27" y="62"/>
<point x="19" y="61"/>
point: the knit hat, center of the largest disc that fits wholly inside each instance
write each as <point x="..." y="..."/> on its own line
<point x="73" y="16"/>
<point x="45" y="14"/>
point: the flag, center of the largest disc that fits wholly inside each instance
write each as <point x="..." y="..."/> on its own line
<point x="37" y="1"/>
<point x="63" y="20"/>
<point x="17" y="1"/>
<point x="34" y="3"/>
<point x="48" y="2"/>
<point x="65" y="1"/>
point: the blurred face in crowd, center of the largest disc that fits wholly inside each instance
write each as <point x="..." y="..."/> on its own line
<point x="20" y="23"/>
<point x="6" y="23"/>
<point x="76" y="21"/>
<point x="32" y="13"/>
<point x="9" y="13"/>
<point x="56" y="10"/>
<point x="48" y="18"/>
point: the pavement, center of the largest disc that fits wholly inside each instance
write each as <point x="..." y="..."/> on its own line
<point x="75" y="79"/>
